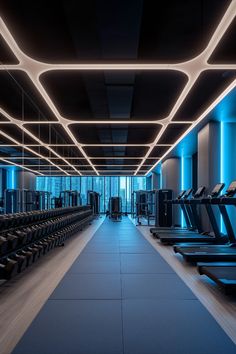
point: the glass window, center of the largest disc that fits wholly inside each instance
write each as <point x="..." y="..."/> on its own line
<point x="128" y="193"/>
<point x="83" y="190"/>
<point x="98" y="186"/>
<point x="114" y="186"/>
<point x="75" y="183"/>
<point x="105" y="186"/>
<point x="107" y="192"/>
<point x="122" y="193"/>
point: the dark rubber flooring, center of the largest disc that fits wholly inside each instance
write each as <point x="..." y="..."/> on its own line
<point x="120" y="296"/>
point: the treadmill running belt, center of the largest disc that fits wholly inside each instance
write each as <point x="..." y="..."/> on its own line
<point x="226" y="273"/>
<point x="225" y="276"/>
<point x="120" y="296"/>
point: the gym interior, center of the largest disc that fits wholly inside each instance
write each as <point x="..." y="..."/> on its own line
<point x="117" y="177"/>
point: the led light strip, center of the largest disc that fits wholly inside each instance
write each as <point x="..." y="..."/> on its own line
<point x="192" y="68"/>
<point x="24" y="167"/>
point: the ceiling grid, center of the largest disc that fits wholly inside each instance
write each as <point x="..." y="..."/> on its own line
<point x="118" y="133"/>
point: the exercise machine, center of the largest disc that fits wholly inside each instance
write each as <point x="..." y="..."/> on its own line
<point x="145" y="205"/>
<point x="70" y="198"/>
<point x="56" y="202"/>
<point x="115" y="208"/>
<point x="222" y="273"/>
<point x="42" y="200"/>
<point x="192" y="213"/>
<point x="24" y="200"/>
<point x="179" y="200"/>
<point x="163" y="209"/>
<point x="93" y="199"/>
<point x="219" y="252"/>
<point x="200" y="236"/>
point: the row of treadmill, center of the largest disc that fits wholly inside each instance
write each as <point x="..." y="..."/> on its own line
<point x="214" y="252"/>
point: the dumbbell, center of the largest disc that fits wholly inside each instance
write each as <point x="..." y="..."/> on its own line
<point x="3" y="245"/>
<point x="8" y="268"/>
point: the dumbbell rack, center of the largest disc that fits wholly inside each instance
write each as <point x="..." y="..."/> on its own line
<point x="33" y="234"/>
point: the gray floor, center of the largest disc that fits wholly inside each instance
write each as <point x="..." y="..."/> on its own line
<point x="120" y="296"/>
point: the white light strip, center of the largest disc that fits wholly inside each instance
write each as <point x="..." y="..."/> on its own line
<point x="117" y="165"/>
<point x="20" y="166"/>
<point x="115" y="170"/>
<point x="114" y="145"/>
<point x="192" y="68"/>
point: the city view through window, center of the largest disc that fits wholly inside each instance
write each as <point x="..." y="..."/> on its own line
<point x="106" y="186"/>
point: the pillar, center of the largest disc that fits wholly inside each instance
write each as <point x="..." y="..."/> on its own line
<point x="25" y="180"/>
<point x="171" y="179"/>
<point x="209" y="146"/>
<point x="227" y="165"/>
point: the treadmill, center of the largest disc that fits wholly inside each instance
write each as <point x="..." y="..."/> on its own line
<point x="200" y="237"/>
<point x="190" y="213"/>
<point x="222" y="273"/>
<point x="178" y="200"/>
<point x="214" y="253"/>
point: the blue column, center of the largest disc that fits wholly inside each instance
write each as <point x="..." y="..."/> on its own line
<point x="227" y="163"/>
<point x="209" y="145"/>
<point x="186" y="177"/>
<point x="156" y="181"/>
<point x="11" y="177"/>
<point x="171" y="179"/>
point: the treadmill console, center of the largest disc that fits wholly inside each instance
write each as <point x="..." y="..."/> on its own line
<point x="231" y="190"/>
<point x="181" y="194"/>
<point x="216" y="190"/>
<point x="199" y="192"/>
<point x="188" y="193"/>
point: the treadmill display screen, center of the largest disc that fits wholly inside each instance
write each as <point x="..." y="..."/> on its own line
<point x="181" y="195"/>
<point x="217" y="189"/>
<point x="199" y="192"/>
<point x="232" y="188"/>
<point x="188" y="192"/>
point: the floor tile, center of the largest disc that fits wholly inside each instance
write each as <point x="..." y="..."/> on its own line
<point x="161" y="286"/>
<point x="170" y="327"/>
<point x="75" y="327"/>
<point x="144" y="263"/>
<point x="88" y="286"/>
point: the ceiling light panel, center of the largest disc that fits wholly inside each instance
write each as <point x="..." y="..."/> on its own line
<point x="6" y="55"/>
<point x="172" y="133"/>
<point x="225" y="52"/>
<point x="116" y="151"/>
<point x="206" y="89"/>
<point x="114" y="162"/>
<point x="115" y="134"/>
<point x="17" y="84"/>
<point x="112" y="95"/>
<point x="84" y="28"/>
<point x="49" y="133"/>
<point x="116" y="168"/>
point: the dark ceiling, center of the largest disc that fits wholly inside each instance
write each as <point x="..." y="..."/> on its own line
<point x="105" y="86"/>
